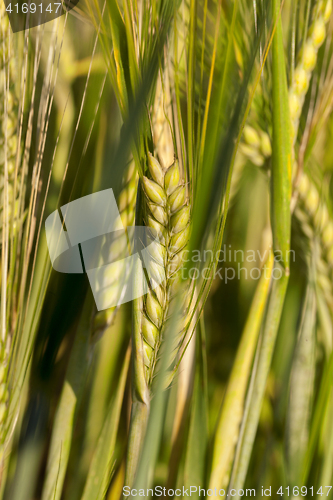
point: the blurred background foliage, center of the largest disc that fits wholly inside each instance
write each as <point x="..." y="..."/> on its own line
<point x="85" y="124"/>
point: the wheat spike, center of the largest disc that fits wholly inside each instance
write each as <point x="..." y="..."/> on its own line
<point x="315" y="214"/>
<point x="9" y="110"/>
<point x="168" y="213"/>
<point x="307" y="61"/>
<point x="256" y="145"/>
<point x="161" y="129"/>
<point x="315" y="222"/>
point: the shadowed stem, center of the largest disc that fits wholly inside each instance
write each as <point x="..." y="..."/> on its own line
<point x="67" y="407"/>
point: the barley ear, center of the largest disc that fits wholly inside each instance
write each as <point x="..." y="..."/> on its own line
<point x="168" y="214"/>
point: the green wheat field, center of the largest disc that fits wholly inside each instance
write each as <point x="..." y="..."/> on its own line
<point x="211" y="121"/>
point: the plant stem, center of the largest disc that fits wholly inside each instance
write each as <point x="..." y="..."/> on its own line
<point x="138" y="425"/>
<point x="271" y="327"/>
<point x="231" y="415"/>
<point x="67" y="407"/>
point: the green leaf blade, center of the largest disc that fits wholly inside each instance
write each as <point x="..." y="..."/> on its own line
<point x="281" y="148"/>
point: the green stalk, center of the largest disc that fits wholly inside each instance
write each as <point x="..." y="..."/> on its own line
<point x="151" y="444"/>
<point x="301" y="391"/>
<point x="325" y="475"/>
<point x="197" y="444"/>
<point x="190" y="380"/>
<point x="109" y="351"/>
<point x="190" y="95"/>
<point x="140" y="396"/>
<point x="324" y="394"/>
<point x="232" y="410"/>
<point x="256" y="396"/>
<point x="99" y="471"/>
<point x="67" y="407"/>
<point x="280" y="213"/>
<point x="282" y="148"/>
<point x="138" y="426"/>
